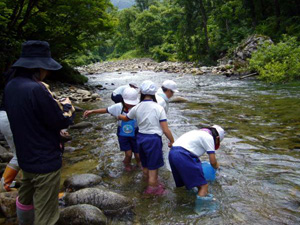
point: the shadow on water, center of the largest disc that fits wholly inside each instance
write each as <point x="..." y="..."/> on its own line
<point x="260" y="156"/>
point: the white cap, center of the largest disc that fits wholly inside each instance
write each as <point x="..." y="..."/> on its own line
<point x="130" y="96"/>
<point x="148" y="88"/>
<point x="220" y="130"/>
<point x="169" y="84"/>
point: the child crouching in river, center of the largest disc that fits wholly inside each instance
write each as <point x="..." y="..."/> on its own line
<point x="127" y="131"/>
<point x="152" y="123"/>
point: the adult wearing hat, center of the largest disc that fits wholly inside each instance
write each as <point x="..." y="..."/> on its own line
<point x="36" y="120"/>
<point x="165" y="93"/>
<point x="117" y="95"/>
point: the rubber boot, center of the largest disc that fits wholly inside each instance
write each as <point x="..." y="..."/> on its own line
<point x="206" y="205"/>
<point x="10" y="173"/>
<point x="25" y="213"/>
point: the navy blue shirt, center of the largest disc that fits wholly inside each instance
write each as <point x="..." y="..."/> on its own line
<point x="35" y="120"/>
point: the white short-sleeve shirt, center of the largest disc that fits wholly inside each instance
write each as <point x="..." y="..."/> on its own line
<point x="148" y="114"/>
<point x="115" y="110"/>
<point x="196" y="141"/>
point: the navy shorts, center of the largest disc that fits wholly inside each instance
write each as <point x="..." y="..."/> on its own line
<point x="150" y="149"/>
<point x="127" y="143"/>
<point x="116" y="98"/>
<point x="186" y="168"/>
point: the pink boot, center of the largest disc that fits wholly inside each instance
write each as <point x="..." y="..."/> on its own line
<point x="159" y="190"/>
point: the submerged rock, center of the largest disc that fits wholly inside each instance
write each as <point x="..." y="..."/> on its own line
<point x="178" y="99"/>
<point x="81" y="125"/>
<point x="109" y="202"/>
<point x="81" y="215"/>
<point x="81" y="181"/>
<point x="8" y="203"/>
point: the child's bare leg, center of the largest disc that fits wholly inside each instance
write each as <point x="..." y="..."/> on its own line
<point x="146" y="173"/>
<point x="128" y="156"/>
<point x="137" y="159"/>
<point x="127" y="160"/>
<point x="203" y="190"/>
<point x="153" y="178"/>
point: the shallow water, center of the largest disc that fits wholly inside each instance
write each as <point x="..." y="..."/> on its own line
<point x="260" y="156"/>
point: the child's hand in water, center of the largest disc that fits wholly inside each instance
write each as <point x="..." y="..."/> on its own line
<point x="87" y="113"/>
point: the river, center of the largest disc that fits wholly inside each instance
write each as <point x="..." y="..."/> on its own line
<point x="260" y="156"/>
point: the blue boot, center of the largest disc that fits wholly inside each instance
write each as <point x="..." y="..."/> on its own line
<point x="205" y="205"/>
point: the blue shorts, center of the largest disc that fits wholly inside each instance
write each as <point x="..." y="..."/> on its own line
<point x="116" y="98"/>
<point x="127" y="143"/>
<point x="186" y="168"/>
<point x="150" y="149"/>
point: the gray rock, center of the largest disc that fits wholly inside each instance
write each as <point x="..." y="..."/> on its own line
<point x="86" y="99"/>
<point x="78" y="109"/>
<point x="80" y="181"/>
<point x="5" y="156"/>
<point x="83" y="92"/>
<point x="109" y="202"/>
<point x="178" y="99"/>
<point x="81" y="215"/>
<point x="8" y="203"/>
<point x="81" y="125"/>
<point x="95" y="96"/>
<point x="2" y="168"/>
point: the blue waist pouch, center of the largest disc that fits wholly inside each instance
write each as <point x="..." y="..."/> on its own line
<point x="127" y="129"/>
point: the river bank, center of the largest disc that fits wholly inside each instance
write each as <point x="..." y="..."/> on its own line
<point x="147" y="64"/>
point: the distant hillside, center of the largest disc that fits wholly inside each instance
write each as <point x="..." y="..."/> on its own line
<point x="122" y="4"/>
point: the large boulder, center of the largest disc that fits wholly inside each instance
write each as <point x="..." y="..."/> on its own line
<point x="5" y="156"/>
<point x="178" y="99"/>
<point x="80" y="181"/>
<point x="8" y="203"/>
<point x="250" y="45"/>
<point x="109" y="202"/>
<point x="82" y="215"/>
<point x="81" y="125"/>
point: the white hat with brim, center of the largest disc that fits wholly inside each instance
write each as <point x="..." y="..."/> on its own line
<point x="131" y="96"/>
<point x="220" y="131"/>
<point x="148" y="88"/>
<point x="171" y="85"/>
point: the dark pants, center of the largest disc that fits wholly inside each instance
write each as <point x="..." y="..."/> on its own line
<point x="116" y="98"/>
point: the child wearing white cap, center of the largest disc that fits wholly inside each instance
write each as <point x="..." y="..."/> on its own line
<point x="152" y="123"/>
<point x="184" y="157"/>
<point x="127" y="131"/>
<point x="117" y="94"/>
<point x="165" y="93"/>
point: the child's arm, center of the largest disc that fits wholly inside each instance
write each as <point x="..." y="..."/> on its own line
<point x="167" y="132"/>
<point x="89" y="112"/>
<point x="123" y="117"/>
<point x="213" y="161"/>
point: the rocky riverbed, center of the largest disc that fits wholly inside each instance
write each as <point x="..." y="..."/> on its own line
<point x="146" y="64"/>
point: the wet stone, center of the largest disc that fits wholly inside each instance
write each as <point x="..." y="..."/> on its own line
<point x="81" y="125"/>
<point x="178" y="100"/>
<point x="8" y="203"/>
<point x="81" y="181"/>
<point x="82" y="214"/>
<point x="111" y="203"/>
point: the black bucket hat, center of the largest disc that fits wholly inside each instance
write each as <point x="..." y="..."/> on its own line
<point x="36" y="54"/>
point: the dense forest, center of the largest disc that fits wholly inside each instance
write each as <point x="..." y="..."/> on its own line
<point x="201" y="31"/>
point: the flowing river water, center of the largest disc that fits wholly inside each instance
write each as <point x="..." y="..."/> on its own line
<point x="260" y="156"/>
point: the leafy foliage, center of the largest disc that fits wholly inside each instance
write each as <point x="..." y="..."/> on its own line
<point x="277" y="63"/>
